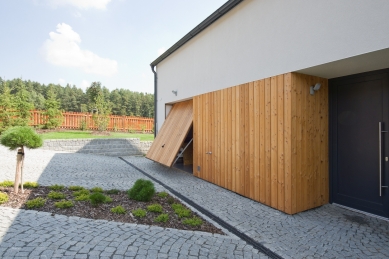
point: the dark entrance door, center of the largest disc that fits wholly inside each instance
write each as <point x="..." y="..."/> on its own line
<point x="359" y="166"/>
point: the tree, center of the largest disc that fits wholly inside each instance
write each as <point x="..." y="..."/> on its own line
<point x="22" y="104"/>
<point x="100" y="107"/>
<point x="7" y="108"/>
<point x="53" y="114"/>
<point x="17" y="138"/>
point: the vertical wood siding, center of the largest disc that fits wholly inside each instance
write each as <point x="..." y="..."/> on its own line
<point x="266" y="140"/>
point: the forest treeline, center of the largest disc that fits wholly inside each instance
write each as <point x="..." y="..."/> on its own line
<point x="72" y="98"/>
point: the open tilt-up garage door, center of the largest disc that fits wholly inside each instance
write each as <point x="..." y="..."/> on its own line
<point x="172" y="134"/>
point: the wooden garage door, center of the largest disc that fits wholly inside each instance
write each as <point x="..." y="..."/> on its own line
<point x="172" y="134"/>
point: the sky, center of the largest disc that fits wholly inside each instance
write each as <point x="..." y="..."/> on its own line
<point x="78" y="42"/>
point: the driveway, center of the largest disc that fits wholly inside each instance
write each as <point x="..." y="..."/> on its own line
<point x="325" y="232"/>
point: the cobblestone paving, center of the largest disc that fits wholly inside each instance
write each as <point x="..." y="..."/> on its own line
<point x="48" y="167"/>
<point x="325" y="232"/>
<point x="30" y="234"/>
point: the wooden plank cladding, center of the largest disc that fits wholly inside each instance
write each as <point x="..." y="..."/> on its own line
<point x="172" y="134"/>
<point x="266" y="140"/>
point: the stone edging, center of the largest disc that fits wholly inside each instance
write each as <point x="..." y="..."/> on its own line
<point x="107" y="147"/>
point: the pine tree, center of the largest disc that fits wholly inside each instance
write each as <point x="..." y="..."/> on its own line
<point x="7" y="108"/>
<point x="23" y="106"/>
<point x="52" y="112"/>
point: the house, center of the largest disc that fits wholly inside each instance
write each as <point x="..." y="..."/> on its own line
<point x="284" y="102"/>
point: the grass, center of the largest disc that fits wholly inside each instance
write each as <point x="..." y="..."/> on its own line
<point x="74" y="134"/>
<point x="35" y="203"/>
<point x="57" y="187"/>
<point x="64" y="204"/>
<point x="194" y="222"/>
<point x="139" y="213"/>
<point x="118" y="210"/>
<point x="155" y="208"/>
<point x="162" y="218"/>
<point x="3" y="198"/>
<point x="56" y="195"/>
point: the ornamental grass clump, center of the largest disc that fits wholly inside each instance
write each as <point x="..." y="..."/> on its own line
<point x="82" y="192"/>
<point x="162" y="218"/>
<point x="36" y="203"/>
<point x="7" y="183"/>
<point x="142" y="190"/>
<point x="140" y="213"/>
<point x="31" y="185"/>
<point x="163" y="194"/>
<point x="57" y="187"/>
<point x="83" y="197"/>
<point x="64" y="204"/>
<point x="3" y="197"/>
<point x="56" y="195"/>
<point x="97" y="189"/>
<point x="181" y="211"/>
<point x="76" y="188"/>
<point x="155" y="208"/>
<point x="118" y="210"/>
<point x="194" y="222"/>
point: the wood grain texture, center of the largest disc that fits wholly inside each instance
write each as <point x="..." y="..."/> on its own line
<point x="172" y="134"/>
<point x="269" y="141"/>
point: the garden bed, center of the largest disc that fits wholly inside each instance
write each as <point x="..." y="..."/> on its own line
<point x="103" y="211"/>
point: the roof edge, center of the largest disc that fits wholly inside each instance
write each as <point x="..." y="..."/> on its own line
<point x="199" y="28"/>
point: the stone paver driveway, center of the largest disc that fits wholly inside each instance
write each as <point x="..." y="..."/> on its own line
<point x="31" y="234"/>
<point x="326" y="232"/>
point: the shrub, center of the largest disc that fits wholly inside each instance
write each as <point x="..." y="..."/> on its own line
<point x="163" y="194"/>
<point x="97" y="198"/>
<point x="80" y="193"/>
<point x="82" y="197"/>
<point x="113" y="191"/>
<point x="7" y="183"/>
<point x="155" y="208"/>
<point x="170" y="200"/>
<point x="56" y="195"/>
<point x="3" y="197"/>
<point x="35" y="203"/>
<point x="118" y="210"/>
<point x="30" y="185"/>
<point x="76" y="188"/>
<point x="108" y="199"/>
<point x="57" y="187"/>
<point x="162" y="218"/>
<point x="142" y="190"/>
<point x="83" y="125"/>
<point x="97" y="189"/>
<point x="64" y="204"/>
<point x="181" y="211"/>
<point x="139" y="213"/>
<point x="194" y="222"/>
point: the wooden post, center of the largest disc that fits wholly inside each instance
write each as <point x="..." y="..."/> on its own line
<point x="18" y="174"/>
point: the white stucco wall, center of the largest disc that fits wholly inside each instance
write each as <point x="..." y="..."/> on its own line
<point x="262" y="38"/>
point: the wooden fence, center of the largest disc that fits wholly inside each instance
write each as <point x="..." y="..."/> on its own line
<point x="74" y="120"/>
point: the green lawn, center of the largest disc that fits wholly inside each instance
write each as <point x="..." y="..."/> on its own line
<point x="87" y="134"/>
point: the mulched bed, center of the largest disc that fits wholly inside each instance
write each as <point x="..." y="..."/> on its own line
<point x="84" y="209"/>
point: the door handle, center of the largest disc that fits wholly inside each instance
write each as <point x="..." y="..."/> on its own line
<point x="380" y="131"/>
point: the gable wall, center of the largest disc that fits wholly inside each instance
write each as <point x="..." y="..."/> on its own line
<point x="262" y="38"/>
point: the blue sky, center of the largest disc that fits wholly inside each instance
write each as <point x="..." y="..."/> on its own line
<point x="81" y="41"/>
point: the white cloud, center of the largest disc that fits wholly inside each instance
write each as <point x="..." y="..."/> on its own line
<point x="81" y="4"/>
<point x="161" y="51"/>
<point x="63" y="49"/>
<point x="62" y="81"/>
